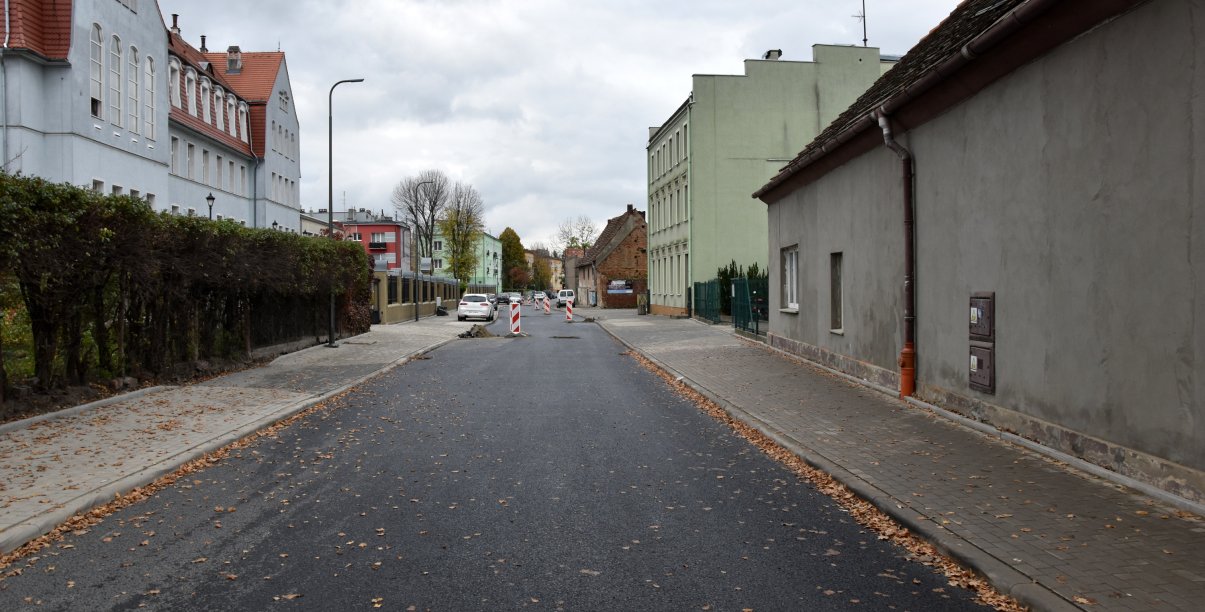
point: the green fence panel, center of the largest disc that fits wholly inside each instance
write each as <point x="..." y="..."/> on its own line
<point x="749" y="300"/>
<point x="707" y="300"/>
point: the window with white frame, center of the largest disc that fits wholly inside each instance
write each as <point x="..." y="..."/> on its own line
<point x="148" y="98"/>
<point x="790" y="277"/>
<point x="189" y="94"/>
<point x="116" y="63"/>
<point x="230" y="114"/>
<point x="173" y="82"/>
<point x="175" y="162"/>
<point x="205" y="166"/>
<point x="218" y="170"/>
<point x="377" y="237"/>
<point x="189" y="165"/>
<point x="219" y="105"/>
<point x="438" y="245"/>
<point x="204" y="101"/>
<point x="134" y="103"/>
<point x="242" y="122"/>
<point x="96" y="73"/>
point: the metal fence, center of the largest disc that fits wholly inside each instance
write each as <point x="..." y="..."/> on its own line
<point x="707" y="300"/>
<point x="749" y="297"/>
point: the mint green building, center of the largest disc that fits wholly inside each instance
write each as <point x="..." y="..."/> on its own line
<point x="730" y="136"/>
<point x="487" y="277"/>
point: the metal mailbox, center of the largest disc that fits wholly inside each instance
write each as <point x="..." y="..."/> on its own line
<point x="983" y="316"/>
<point x="983" y="367"/>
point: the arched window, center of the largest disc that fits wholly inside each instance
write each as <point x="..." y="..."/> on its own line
<point x="189" y="95"/>
<point x="148" y="98"/>
<point x="230" y="114"/>
<point x="204" y="101"/>
<point x="116" y="63"/>
<point x="173" y="82"/>
<point x="244" y="135"/>
<point x="218" y="106"/>
<point x="96" y="73"/>
<point x="134" y="103"/>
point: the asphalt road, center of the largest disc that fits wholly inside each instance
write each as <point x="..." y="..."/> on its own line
<point x="548" y="472"/>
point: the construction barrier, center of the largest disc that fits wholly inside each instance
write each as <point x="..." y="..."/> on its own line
<point x="514" y="318"/>
<point x="547" y="305"/>
<point x="569" y="311"/>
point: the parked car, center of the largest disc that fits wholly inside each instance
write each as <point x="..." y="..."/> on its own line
<point x="493" y="300"/>
<point x="564" y="295"/>
<point x="474" y="305"/>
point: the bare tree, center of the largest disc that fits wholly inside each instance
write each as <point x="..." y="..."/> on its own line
<point x="419" y="200"/>
<point x="461" y="224"/>
<point x="576" y="233"/>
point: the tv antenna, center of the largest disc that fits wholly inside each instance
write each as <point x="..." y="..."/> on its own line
<point x="862" y="17"/>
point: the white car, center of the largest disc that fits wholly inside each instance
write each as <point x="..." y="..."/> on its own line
<point x="474" y="305"/>
<point x="564" y="295"/>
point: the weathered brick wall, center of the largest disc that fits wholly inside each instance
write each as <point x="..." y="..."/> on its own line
<point x="627" y="262"/>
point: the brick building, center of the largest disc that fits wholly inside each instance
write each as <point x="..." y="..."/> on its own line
<point x="615" y="270"/>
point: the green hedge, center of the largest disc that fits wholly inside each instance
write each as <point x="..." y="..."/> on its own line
<point x="111" y="287"/>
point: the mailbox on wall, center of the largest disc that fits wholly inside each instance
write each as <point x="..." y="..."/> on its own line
<point x="981" y="373"/>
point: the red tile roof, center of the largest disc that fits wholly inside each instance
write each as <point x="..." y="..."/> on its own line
<point x="42" y="26"/>
<point x="610" y="238"/>
<point x="258" y="77"/>
<point x="190" y="56"/>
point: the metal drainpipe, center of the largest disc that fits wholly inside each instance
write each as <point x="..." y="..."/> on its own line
<point x="4" y="90"/>
<point x="907" y="359"/>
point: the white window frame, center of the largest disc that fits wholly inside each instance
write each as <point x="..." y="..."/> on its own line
<point x="219" y="104"/>
<point x="148" y="95"/>
<point x="203" y="101"/>
<point x="116" y="84"/>
<point x="134" y="101"/>
<point x="790" y="277"/>
<point x="173" y="82"/>
<point x="96" y="73"/>
<point x="188" y="96"/>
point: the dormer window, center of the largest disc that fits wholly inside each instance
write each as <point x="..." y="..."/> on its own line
<point x="230" y="114"/>
<point x="242" y="122"/>
<point x="173" y="81"/>
<point x="190" y="86"/>
<point x="218" y="105"/>
<point x="204" y="101"/>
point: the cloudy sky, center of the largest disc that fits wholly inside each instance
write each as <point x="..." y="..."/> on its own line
<point x="542" y="105"/>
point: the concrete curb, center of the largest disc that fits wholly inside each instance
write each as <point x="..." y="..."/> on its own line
<point x="1002" y="576"/>
<point x="25" y="531"/>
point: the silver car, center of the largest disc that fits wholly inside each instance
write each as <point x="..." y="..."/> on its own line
<point x="475" y="305"/>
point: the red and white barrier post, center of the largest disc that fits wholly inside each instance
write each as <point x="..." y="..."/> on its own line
<point x="514" y="318"/>
<point x="568" y="311"/>
<point x="547" y="305"/>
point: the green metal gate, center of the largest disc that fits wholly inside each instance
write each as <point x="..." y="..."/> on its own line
<point x="749" y="298"/>
<point x="707" y="300"/>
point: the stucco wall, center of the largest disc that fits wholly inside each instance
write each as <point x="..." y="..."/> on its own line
<point x="1070" y="188"/>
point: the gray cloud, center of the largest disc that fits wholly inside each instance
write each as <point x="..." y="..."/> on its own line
<point x="542" y="105"/>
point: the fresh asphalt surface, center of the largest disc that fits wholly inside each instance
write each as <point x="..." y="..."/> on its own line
<point x="547" y="472"/>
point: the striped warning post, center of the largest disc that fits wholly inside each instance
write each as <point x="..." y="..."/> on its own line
<point x="547" y="305"/>
<point x="568" y="311"/>
<point x="514" y="318"/>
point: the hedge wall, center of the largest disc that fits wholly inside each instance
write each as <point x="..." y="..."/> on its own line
<point x="111" y="287"/>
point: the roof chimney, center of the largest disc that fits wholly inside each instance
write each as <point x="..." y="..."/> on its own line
<point x="203" y="49"/>
<point x="630" y="207"/>
<point x="176" y="24"/>
<point x="772" y="54"/>
<point x="234" y="60"/>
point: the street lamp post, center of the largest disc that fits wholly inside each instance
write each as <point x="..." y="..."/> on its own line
<point x="330" y="190"/>
<point x="414" y="254"/>
<point x="209" y="200"/>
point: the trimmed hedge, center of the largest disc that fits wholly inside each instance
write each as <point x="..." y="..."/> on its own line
<point x="112" y="287"/>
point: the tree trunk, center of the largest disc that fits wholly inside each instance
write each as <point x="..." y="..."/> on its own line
<point x="100" y="331"/>
<point x="73" y="361"/>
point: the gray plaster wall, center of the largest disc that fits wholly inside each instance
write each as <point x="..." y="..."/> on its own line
<point x="1070" y="188"/>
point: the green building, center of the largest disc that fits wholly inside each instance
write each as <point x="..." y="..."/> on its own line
<point x="730" y="136"/>
<point x="487" y="276"/>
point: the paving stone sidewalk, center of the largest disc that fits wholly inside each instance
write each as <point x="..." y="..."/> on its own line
<point x="60" y="464"/>
<point x="1052" y="536"/>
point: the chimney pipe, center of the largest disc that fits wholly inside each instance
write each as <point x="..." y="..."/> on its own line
<point x="203" y="49"/>
<point x="176" y="24"/>
<point x="772" y="54"/>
